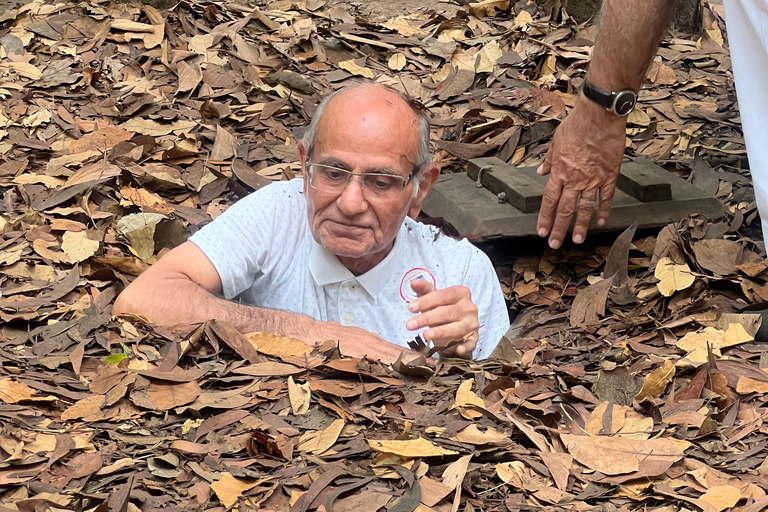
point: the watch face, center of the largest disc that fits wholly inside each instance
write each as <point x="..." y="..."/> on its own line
<point x="625" y="103"/>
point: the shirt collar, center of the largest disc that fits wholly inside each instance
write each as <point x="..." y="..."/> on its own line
<point x="327" y="269"/>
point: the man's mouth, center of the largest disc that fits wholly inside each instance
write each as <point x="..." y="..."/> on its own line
<point x="343" y="226"/>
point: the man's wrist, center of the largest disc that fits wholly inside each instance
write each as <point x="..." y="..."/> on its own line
<point x="589" y="111"/>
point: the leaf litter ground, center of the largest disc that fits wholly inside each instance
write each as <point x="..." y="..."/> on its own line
<point x="630" y="379"/>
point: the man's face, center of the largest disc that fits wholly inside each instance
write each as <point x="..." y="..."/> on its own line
<point x="363" y="130"/>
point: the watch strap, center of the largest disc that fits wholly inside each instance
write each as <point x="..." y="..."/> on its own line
<point x="599" y="96"/>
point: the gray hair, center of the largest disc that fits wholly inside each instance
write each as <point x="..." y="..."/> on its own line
<point x="423" y="157"/>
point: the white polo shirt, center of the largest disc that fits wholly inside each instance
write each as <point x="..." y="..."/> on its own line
<point x="265" y="255"/>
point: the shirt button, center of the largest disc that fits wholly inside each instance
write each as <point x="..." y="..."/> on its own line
<point x="353" y="287"/>
<point x="348" y="318"/>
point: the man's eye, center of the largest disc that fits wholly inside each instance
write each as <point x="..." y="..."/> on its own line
<point x="334" y="175"/>
<point x="381" y="183"/>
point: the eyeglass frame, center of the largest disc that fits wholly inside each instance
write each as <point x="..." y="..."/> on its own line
<point x="351" y="174"/>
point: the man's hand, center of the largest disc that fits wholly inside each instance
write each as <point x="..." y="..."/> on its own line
<point x="359" y="343"/>
<point x="584" y="158"/>
<point x="449" y="314"/>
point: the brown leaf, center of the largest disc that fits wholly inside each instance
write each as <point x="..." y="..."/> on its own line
<point x="162" y="396"/>
<point x="225" y="145"/>
<point x="589" y="304"/>
<point x="617" y="456"/>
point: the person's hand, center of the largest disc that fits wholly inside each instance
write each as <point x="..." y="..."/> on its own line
<point x="359" y="343"/>
<point x="450" y="315"/>
<point x="584" y="158"/>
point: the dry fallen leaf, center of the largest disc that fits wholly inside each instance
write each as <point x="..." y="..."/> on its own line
<point x="396" y="62"/>
<point x="410" y="449"/>
<point x="78" y="246"/>
<point x="355" y="69"/>
<point x="721" y="497"/>
<point x="299" y="396"/>
<point x="320" y="441"/>
<point x="465" y="398"/>
<point x="672" y="277"/>
<point x="618" y="456"/>
<point x="656" y="382"/>
<point x="229" y="488"/>
<point x="489" y="8"/>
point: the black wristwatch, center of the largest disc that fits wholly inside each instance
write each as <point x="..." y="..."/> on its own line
<point x="620" y="103"/>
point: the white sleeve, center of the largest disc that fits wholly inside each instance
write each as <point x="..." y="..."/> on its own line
<point x="238" y="242"/>
<point x="480" y="277"/>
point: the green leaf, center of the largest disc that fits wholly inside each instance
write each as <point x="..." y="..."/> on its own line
<point x="115" y="358"/>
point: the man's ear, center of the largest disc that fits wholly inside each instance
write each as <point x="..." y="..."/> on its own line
<point x="431" y="174"/>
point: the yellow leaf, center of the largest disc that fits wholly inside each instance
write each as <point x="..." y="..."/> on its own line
<point x="722" y="497"/>
<point x="396" y="62"/>
<point x="299" y="395"/>
<point x="77" y="246"/>
<point x="411" y="449"/>
<point x="321" y="440"/>
<point x="353" y="68"/>
<point x="745" y="386"/>
<point x="736" y="335"/>
<point x="695" y="343"/>
<point x="488" y="8"/>
<point x="523" y="19"/>
<point x="229" y="489"/>
<point x="672" y="277"/>
<point x="465" y="398"/>
<point x="656" y="382"/>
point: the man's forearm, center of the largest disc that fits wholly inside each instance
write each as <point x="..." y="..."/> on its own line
<point x="629" y="35"/>
<point x="180" y="301"/>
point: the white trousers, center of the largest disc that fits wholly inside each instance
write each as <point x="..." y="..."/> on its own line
<point x="747" y="22"/>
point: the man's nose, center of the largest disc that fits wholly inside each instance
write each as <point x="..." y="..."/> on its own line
<point x="352" y="201"/>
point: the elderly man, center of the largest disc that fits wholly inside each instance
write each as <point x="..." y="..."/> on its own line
<point x="337" y="255"/>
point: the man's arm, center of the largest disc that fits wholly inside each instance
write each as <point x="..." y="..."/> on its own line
<point x="588" y="147"/>
<point x="181" y="288"/>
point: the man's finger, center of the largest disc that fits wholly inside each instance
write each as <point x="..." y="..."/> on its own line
<point x="440" y="315"/>
<point x="422" y="287"/>
<point x="549" y="200"/>
<point x="449" y="332"/>
<point x="436" y="298"/>
<point x="566" y="207"/>
<point x="584" y="215"/>
<point x="544" y="169"/>
<point x="606" y="198"/>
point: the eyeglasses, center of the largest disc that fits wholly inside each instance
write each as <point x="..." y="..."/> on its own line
<point x="331" y="179"/>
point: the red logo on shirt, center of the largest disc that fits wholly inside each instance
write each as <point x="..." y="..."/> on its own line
<point x="406" y="292"/>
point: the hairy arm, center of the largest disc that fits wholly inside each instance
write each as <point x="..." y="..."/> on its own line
<point x="181" y="289"/>
<point x="587" y="149"/>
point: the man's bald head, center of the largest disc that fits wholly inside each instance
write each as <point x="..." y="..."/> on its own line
<point x="369" y="109"/>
